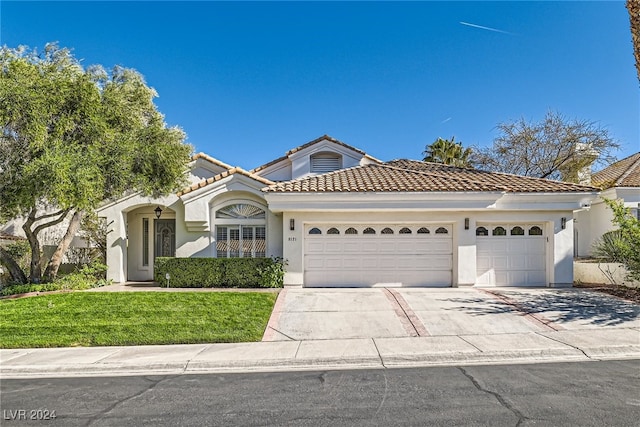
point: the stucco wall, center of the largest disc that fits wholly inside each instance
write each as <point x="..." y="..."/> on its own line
<point x="588" y="271"/>
<point x="559" y="247"/>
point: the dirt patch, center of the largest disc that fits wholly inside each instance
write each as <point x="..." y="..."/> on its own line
<point x="624" y="292"/>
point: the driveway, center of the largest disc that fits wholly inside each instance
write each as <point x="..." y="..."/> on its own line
<point x="325" y="314"/>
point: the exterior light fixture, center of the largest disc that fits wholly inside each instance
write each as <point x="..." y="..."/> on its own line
<point x="466" y="223"/>
<point x="563" y="222"/>
<point x="292" y="224"/>
<point x="158" y="212"/>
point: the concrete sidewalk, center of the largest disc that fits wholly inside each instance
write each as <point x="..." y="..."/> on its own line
<point x="530" y="347"/>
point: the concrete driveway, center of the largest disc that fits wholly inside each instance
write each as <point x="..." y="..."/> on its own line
<point x="326" y="314"/>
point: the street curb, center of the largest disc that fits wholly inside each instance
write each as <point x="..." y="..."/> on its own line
<point x="289" y="364"/>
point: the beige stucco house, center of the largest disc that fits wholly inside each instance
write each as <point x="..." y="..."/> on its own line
<point x="340" y="217"/>
<point x="619" y="181"/>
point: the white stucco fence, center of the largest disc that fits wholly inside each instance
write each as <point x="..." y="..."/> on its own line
<point x="592" y="271"/>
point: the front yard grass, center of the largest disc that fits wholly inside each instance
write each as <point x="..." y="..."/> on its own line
<point x="134" y="318"/>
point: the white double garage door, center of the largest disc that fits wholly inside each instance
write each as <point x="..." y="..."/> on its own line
<point x="418" y="255"/>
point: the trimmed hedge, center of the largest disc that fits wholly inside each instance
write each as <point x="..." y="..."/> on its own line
<point x="219" y="272"/>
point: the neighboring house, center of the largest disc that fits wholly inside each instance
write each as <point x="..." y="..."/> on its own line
<point x="619" y="181"/>
<point x="49" y="238"/>
<point x="340" y="217"/>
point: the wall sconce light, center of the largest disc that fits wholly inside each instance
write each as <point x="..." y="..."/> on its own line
<point x="158" y="212"/>
<point x="563" y="222"/>
<point x="466" y="223"/>
<point x="292" y="224"/>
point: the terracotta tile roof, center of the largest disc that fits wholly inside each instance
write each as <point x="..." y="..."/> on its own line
<point x="211" y="160"/>
<point x="309" y="144"/>
<point x="220" y="176"/>
<point x="416" y="176"/>
<point x="623" y="173"/>
<point x="512" y="183"/>
<point x="5" y="236"/>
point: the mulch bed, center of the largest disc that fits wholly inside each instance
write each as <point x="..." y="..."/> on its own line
<point x="624" y="292"/>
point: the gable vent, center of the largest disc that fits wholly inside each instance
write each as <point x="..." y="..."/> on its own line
<point x="325" y="162"/>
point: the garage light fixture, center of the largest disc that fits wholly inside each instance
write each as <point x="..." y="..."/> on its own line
<point x="563" y="222"/>
<point x="292" y="224"/>
<point x="466" y="223"/>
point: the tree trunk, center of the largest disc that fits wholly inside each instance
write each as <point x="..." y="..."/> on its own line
<point x="35" y="273"/>
<point x="54" y="263"/>
<point x="633" y="6"/>
<point x="17" y="275"/>
<point x="32" y="236"/>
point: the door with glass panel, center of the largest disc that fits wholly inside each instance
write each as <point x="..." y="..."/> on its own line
<point x="165" y="238"/>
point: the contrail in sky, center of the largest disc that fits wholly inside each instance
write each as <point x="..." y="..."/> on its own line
<point x="445" y="120"/>
<point x="484" y="28"/>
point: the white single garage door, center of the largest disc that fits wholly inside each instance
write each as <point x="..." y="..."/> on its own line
<point x="378" y="255"/>
<point x="511" y="255"/>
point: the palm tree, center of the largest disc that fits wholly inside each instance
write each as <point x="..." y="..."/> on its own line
<point x="448" y="152"/>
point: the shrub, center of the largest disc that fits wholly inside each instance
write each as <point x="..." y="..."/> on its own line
<point x="217" y="272"/>
<point x="630" y="237"/>
<point x="610" y="247"/>
<point x="273" y="274"/>
<point x="87" y="277"/>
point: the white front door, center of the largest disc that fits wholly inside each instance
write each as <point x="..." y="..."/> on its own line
<point x="378" y="255"/>
<point x="511" y="255"/>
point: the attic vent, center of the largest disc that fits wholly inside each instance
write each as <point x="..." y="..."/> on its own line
<point x="325" y="162"/>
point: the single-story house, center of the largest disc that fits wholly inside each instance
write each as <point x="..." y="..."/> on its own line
<point x="340" y="217"/>
<point x="619" y="181"/>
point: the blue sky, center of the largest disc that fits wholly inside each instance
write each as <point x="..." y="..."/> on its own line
<point x="248" y="81"/>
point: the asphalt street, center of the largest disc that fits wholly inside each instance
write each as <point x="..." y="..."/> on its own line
<point x="552" y="394"/>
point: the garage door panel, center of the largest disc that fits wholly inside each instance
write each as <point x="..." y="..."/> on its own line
<point x="518" y="262"/>
<point x="535" y="262"/>
<point x="315" y="263"/>
<point x="351" y="247"/>
<point x="335" y="247"/>
<point x="512" y="260"/>
<point x="370" y="260"/>
<point x="431" y="246"/>
<point x="350" y="262"/>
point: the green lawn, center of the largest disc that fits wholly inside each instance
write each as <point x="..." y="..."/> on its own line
<point x="133" y="318"/>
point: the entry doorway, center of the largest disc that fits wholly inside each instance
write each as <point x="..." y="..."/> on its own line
<point x="165" y="238"/>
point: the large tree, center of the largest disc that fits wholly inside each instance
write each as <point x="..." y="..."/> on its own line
<point x="73" y="137"/>
<point x="448" y="152"/>
<point x="554" y="148"/>
<point x="633" y="6"/>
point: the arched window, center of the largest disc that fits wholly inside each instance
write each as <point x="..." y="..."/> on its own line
<point x="351" y="230"/>
<point x="517" y="231"/>
<point x="386" y="230"/>
<point x="405" y="230"/>
<point x="241" y="231"/>
<point x="333" y="230"/>
<point x="482" y="231"/>
<point x="535" y="231"/>
<point x="325" y="162"/>
<point x="240" y="211"/>
<point x="499" y="231"/>
<point x="315" y="230"/>
<point x="442" y="230"/>
<point x="423" y="230"/>
<point x="369" y="230"/>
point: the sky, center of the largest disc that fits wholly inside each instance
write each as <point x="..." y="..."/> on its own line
<point x="248" y="81"/>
